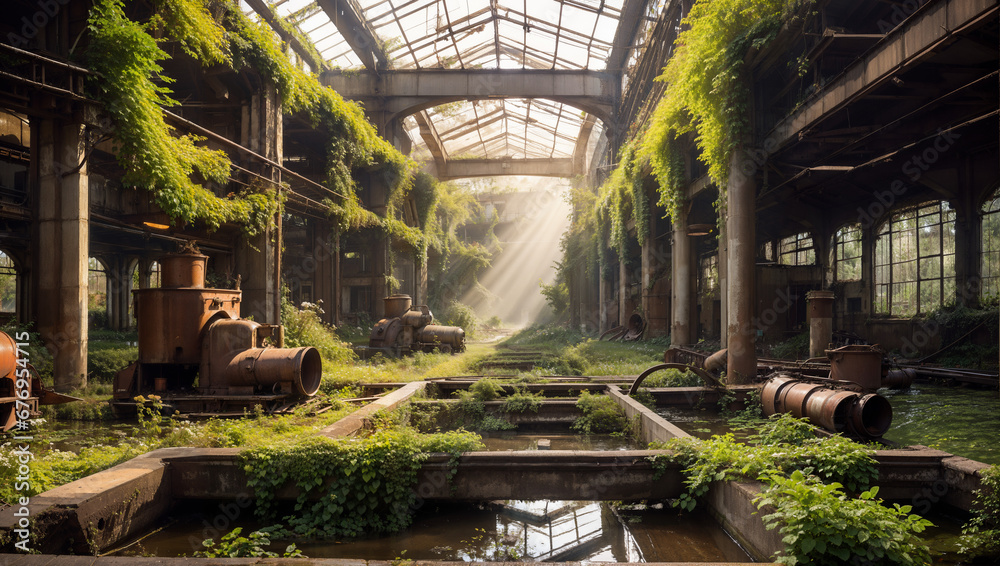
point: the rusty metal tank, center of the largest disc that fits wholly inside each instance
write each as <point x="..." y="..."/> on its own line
<point x="407" y="328"/>
<point x="451" y="336"/>
<point x="171" y="317"/>
<point x="858" y="364"/>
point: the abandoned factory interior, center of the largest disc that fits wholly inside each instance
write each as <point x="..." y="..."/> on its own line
<point x="669" y="281"/>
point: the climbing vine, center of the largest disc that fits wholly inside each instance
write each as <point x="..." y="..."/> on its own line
<point x="131" y="86"/>
<point x="348" y="487"/>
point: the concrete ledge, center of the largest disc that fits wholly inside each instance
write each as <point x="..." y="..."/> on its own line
<point x="560" y="389"/>
<point x="98" y="510"/>
<point x="55" y="560"/>
<point x="731" y="503"/>
<point x="355" y="421"/>
<point x="654" y="427"/>
<point x="215" y="474"/>
<point x="551" y="411"/>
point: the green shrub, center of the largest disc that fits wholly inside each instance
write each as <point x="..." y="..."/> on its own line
<point x="461" y="315"/>
<point x="348" y="487"/>
<point x="232" y="545"/>
<point x="672" y="378"/>
<point x="981" y="535"/>
<point x="601" y="414"/>
<point x="795" y="348"/>
<point x="522" y="401"/>
<point x="821" y="525"/>
<point x="304" y="327"/>
<point x="104" y="363"/>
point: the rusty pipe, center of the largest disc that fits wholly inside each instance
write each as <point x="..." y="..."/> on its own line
<point x="772" y="390"/>
<point x="899" y="378"/>
<point x="717" y="361"/>
<point x="831" y="408"/>
<point x="268" y="367"/>
<point x="452" y="336"/>
<point x="871" y="416"/>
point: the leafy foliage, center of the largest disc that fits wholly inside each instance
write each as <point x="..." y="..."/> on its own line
<point x="132" y="88"/>
<point x="304" y="327"/>
<point x="784" y="444"/>
<point x="601" y="414"/>
<point x="232" y="545"/>
<point x="522" y="401"/>
<point x="981" y="535"/>
<point x="823" y="525"/>
<point x="461" y="315"/>
<point x="347" y="487"/>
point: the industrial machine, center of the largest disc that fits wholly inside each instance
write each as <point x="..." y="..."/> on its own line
<point x="21" y="389"/>
<point x="199" y="356"/>
<point x="407" y="328"/>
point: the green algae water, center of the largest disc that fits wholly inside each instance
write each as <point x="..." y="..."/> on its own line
<point x="959" y="420"/>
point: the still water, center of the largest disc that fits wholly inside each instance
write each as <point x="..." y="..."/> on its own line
<point x="959" y="420"/>
<point x="508" y="530"/>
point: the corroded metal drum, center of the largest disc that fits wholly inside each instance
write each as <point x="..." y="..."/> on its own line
<point x="831" y="408"/>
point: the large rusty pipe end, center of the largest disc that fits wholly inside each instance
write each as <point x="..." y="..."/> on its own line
<point x="872" y="416"/>
<point x="267" y="367"/>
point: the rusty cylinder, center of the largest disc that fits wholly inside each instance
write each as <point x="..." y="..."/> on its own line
<point x="820" y="312"/>
<point x="269" y="367"/>
<point x="453" y="336"/>
<point x="830" y="408"/>
<point x="871" y="416"/>
<point x="793" y="399"/>
<point x="772" y="390"/>
<point x="717" y="361"/>
<point x="899" y="378"/>
<point x="396" y="305"/>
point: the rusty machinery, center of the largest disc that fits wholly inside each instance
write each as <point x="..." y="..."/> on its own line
<point x="407" y="328"/>
<point x="21" y="389"/>
<point x="188" y="331"/>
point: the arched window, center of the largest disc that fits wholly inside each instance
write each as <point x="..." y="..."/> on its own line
<point x="797" y="250"/>
<point x="915" y="260"/>
<point x="847" y="253"/>
<point x="155" y="279"/>
<point x="97" y="281"/>
<point x="990" y="258"/>
<point x="8" y="284"/>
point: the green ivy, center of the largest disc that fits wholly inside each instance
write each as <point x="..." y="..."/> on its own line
<point x="348" y="487"/>
<point x="232" y="545"/>
<point x="132" y="88"/>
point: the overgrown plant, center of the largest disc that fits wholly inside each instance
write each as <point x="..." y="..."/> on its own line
<point x="821" y="525"/>
<point x="601" y="414"/>
<point x="232" y="545"/>
<point x="981" y="535"/>
<point x="347" y="487"/>
<point x="784" y="445"/>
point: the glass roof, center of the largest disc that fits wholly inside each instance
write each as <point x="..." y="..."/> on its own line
<point x="479" y="34"/>
<point x="470" y="34"/>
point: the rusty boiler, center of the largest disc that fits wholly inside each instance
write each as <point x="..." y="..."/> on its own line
<point x="21" y="388"/>
<point x="199" y="355"/>
<point x="407" y="328"/>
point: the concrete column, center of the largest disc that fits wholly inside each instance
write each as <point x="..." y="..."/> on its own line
<point x="60" y="249"/>
<point x="325" y="254"/>
<point x="740" y="230"/>
<point x="119" y="275"/>
<point x="723" y="279"/>
<point x="421" y="284"/>
<point x="257" y="259"/>
<point x="681" y="322"/>
<point x="820" y="312"/>
<point x="604" y="297"/>
<point x="623" y="309"/>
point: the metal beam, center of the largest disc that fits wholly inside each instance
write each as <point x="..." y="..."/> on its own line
<point x="628" y="26"/>
<point x="430" y="135"/>
<point x="465" y="168"/>
<point x="273" y="20"/>
<point x="936" y="23"/>
<point x="401" y="93"/>
<point x="580" y="151"/>
<point x="359" y="34"/>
